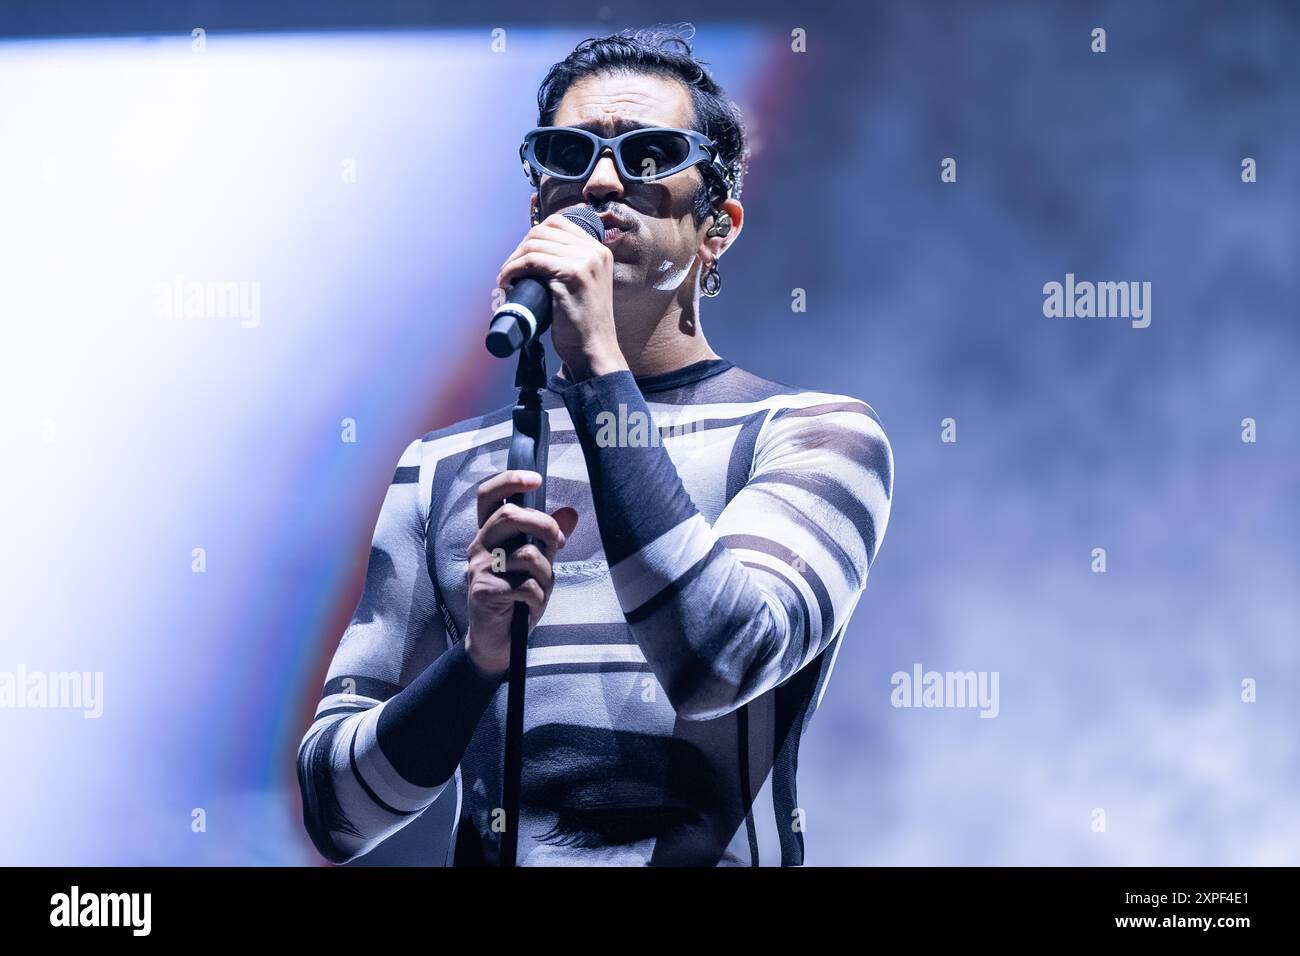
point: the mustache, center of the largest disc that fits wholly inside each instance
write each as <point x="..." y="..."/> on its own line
<point x="619" y="212"/>
<point x="626" y="219"/>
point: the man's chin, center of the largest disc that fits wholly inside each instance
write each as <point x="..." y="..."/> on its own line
<point x="627" y="276"/>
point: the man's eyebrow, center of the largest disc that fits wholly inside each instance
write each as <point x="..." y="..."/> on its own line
<point x="621" y="125"/>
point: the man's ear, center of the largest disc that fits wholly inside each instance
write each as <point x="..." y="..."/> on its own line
<point x="722" y="229"/>
<point x="534" y="214"/>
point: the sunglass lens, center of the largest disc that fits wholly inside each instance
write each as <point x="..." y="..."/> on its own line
<point x="655" y="154"/>
<point x="563" y="153"/>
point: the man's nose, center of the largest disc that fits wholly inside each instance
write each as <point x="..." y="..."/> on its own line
<point x="604" y="182"/>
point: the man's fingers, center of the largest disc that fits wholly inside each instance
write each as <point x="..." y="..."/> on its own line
<point x="528" y="562"/>
<point x="493" y="492"/>
<point x="567" y="519"/>
<point x="528" y="572"/>
<point x="530" y="592"/>
<point x="564" y="224"/>
<point x="494" y="591"/>
<point x="532" y="263"/>
<point x="510" y="520"/>
<point x="530" y="247"/>
<point x="547" y="231"/>
<point x="513" y="569"/>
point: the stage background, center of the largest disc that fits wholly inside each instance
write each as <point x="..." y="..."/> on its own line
<point x="356" y="166"/>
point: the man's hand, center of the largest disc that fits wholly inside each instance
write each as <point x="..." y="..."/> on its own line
<point x="525" y="575"/>
<point x="580" y="274"/>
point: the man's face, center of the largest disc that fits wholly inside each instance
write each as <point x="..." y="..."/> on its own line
<point x="659" y="247"/>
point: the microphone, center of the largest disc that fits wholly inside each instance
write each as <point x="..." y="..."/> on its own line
<point x="526" y="312"/>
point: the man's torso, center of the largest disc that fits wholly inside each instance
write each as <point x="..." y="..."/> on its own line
<point x="611" y="774"/>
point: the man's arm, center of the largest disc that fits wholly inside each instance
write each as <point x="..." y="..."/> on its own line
<point x="384" y="743"/>
<point x="725" y="613"/>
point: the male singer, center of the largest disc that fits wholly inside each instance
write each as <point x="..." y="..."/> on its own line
<point x="709" y="538"/>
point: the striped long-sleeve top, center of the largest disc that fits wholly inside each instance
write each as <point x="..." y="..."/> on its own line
<point x="726" y="527"/>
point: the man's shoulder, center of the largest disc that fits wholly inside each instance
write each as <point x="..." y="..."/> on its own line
<point x="799" y="401"/>
<point x="837" y="423"/>
<point x="464" y="433"/>
<point x="418" y="454"/>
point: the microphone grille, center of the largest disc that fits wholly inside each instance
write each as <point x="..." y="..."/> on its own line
<point x="589" y="221"/>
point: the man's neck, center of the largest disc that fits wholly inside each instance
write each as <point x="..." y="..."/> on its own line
<point x="674" y="340"/>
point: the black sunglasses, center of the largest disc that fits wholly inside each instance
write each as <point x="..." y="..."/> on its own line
<point x="646" y="155"/>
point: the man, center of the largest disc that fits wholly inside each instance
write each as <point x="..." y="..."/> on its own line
<point x="690" y="592"/>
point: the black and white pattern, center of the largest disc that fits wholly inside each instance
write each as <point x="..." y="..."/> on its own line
<point x="697" y="612"/>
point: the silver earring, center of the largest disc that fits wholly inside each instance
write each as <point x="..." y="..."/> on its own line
<point x="711" y="281"/>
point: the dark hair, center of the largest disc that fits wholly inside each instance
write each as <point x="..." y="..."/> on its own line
<point x="667" y="52"/>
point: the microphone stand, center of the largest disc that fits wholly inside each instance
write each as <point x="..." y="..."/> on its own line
<point x="528" y="446"/>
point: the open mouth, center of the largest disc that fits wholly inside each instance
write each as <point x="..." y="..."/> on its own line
<point x="615" y="228"/>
